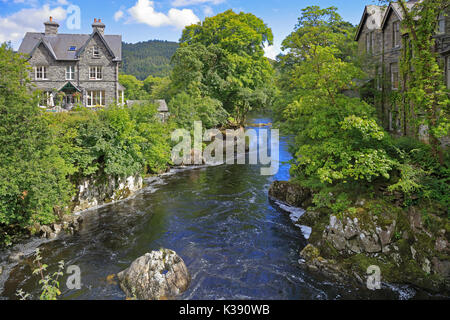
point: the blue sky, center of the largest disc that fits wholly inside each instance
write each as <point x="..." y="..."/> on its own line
<point x="140" y="20"/>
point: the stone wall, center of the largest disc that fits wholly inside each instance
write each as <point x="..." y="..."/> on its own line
<point x="94" y="192"/>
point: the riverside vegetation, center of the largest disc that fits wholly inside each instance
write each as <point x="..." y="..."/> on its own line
<point x="43" y="156"/>
<point x="351" y="174"/>
<point x="371" y="198"/>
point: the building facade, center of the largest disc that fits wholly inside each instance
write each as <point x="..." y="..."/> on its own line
<point x="75" y="68"/>
<point x="380" y="43"/>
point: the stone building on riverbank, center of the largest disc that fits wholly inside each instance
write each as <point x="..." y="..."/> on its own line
<point x="380" y="42"/>
<point x="72" y="68"/>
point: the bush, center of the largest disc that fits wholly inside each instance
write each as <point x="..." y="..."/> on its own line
<point x="189" y="108"/>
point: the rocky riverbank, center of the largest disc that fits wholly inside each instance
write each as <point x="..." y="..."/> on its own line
<point x="409" y="245"/>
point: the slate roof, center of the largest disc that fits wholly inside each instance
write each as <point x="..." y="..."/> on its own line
<point x="162" y="105"/>
<point x="60" y="43"/>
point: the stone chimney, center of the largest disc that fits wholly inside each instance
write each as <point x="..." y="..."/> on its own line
<point x="98" y="25"/>
<point x="51" y="27"/>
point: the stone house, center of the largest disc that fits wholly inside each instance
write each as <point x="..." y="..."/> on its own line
<point x="71" y="68"/>
<point x="380" y="42"/>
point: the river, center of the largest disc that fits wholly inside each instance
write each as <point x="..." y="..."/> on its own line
<point x="235" y="243"/>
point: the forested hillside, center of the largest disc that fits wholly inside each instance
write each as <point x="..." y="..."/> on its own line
<point x="148" y="58"/>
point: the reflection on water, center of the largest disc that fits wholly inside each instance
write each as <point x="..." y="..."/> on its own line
<point x="218" y="219"/>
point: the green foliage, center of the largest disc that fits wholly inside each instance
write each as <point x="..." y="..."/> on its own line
<point x="117" y="141"/>
<point x="188" y="108"/>
<point x="43" y="156"/>
<point x="223" y="58"/>
<point x="148" y="58"/>
<point x="49" y="283"/>
<point x="337" y="138"/>
<point x="340" y="149"/>
<point x="134" y="88"/>
<point x="424" y="91"/>
<point x="32" y="173"/>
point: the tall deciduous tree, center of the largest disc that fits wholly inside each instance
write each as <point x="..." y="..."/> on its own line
<point x="224" y="56"/>
<point x="337" y="138"/>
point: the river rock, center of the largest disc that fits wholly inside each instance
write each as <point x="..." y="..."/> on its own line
<point x="290" y="193"/>
<point x="45" y="231"/>
<point x="154" y="276"/>
<point x="16" y="256"/>
<point x="349" y="236"/>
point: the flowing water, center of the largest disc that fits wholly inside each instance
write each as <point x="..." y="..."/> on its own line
<point x="235" y="243"/>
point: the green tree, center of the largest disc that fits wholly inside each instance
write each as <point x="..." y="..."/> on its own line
<point x="223" y="57"/>
<point x="134" y="88"/>
<point x="32" y="174"/>
<point x="337" y="138"/>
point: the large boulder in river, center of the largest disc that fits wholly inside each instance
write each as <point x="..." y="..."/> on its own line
<point x="290" y="193"/>
<point x="157" y="275"/>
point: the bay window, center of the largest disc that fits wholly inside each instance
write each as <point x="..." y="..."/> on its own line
<point x="95" y="98"/>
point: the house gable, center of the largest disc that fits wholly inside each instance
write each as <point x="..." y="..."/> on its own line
<point x="100" y="41"/>
<point x="370" y="20"/>
<point x="41" y="55"/>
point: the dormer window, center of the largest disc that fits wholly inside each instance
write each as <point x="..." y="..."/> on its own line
<point x="96" y="52"/>
<point x="72" y="48"/>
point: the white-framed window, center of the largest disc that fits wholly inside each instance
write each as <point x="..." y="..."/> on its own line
<point x="394" y="76"/>
<point x="121" y="96"/>
<point x="441" y="24"/>
<point x="70" y="72"/>
<point x="95" y="98"/>
<point x="44" y="99"/>
<point x="95" y="73"/>
<point x="40" y="73"/>
<point x="96" y="52"/>
<point x="396" y="34"/>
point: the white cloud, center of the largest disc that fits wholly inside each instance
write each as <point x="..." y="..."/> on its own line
<point x="14" y="26"/>
<point x="185" y="3"/>
<point x="182" y="18"/>
<point x="271" y="52"/>
<point x="144" y="12"/>
<point x="208" y="11"/>
<point x="118" y="15"/>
